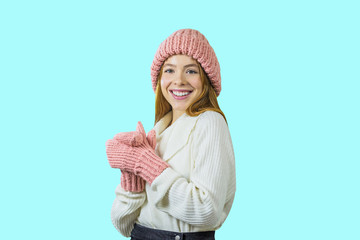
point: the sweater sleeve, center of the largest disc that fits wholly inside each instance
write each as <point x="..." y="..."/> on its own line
<point x="126" y="209"/>
<point x="205" y="199"/>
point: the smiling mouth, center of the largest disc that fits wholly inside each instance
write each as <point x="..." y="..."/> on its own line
<point x="180" y="94"/>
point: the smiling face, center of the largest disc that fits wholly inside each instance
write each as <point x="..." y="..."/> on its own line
<point x="180" y="83"/>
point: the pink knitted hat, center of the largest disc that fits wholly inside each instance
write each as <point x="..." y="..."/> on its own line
<point x="192" y="43"/>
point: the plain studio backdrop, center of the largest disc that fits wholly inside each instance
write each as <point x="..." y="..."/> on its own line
<point x="75" y="73"/>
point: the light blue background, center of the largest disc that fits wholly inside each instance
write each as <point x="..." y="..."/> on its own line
<point x="74" y="73"/>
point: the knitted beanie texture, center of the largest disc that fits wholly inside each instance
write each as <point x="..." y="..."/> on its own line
<point x="194" y="44"/>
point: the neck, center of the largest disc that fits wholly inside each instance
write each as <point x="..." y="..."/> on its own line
<point x="176" y="115"/>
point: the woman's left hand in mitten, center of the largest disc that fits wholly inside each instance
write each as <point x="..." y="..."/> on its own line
<point x="129" y="181"/>
<point x="140" y="159"/>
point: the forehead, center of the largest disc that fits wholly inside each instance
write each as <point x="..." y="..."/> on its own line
<point x="180" y="59"/>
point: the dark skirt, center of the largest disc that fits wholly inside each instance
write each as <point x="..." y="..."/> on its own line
<point x="143" y="233"/>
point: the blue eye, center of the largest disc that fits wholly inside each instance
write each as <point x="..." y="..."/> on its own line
<point x="169" y="71"/>
<point x="192" y="71"/>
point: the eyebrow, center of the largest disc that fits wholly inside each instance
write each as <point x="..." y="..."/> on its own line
<point x="188" y="65"/>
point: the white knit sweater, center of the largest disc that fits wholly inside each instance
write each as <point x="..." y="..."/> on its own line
<point x="197" y="191"/>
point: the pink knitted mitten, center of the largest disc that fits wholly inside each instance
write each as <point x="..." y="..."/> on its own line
<point x="140" y="160"/>
<point x="133" y="138"/>
<point x="129" y="181"/>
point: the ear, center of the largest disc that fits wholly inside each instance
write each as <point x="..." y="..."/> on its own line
<point x="151" y="137"/>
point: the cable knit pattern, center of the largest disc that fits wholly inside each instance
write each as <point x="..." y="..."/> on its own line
<point x="192" y="43"/>
<point x="197" y="191"/>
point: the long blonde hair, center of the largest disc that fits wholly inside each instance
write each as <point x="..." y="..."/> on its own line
<point x="207" y="101"/>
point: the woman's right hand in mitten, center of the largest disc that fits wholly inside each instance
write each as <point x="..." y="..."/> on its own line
<point x="140" y="159"/>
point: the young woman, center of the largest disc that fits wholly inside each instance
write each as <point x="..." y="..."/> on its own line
<point x="178" y="181"/>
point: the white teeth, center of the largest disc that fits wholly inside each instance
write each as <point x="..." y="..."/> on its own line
<point x="179" y="94"/>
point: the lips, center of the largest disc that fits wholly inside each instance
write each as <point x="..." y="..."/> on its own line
<point x="180" y="94"/>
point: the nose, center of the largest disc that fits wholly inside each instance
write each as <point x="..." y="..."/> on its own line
<point x="180" y="78"/>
